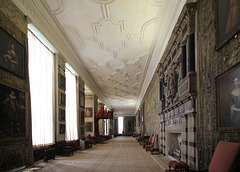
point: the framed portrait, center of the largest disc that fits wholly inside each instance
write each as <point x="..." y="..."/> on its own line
<point x="227" y="21"/>
<point x="82" y="116"/>
<point x="62" y="129"/>
<point x="88" y="112"/>
<point x="89" y="126"/>
<point x="81" y="99"/>
<point x="12" y="54"/>
<point x="13" y="115"/>
<point x="62" y="98"/>
<point x="82" y="131"/>
<point x="228" y="104"/>
<point x="61" y="81"/>
<point x="61" y="114"/>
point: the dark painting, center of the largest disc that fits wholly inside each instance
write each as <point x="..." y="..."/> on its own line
<point x="82" y="117"/>
<point x="62" y="129"/>
<point x="12" y="112"/>
<point x="228" y="89"/>
<point x="61" y="114"/>
<point x="62" y="98"/>
<point x="11" y="54"/>
<point x="89" y="126"/>
<point x="81" y="99"/>
<point x="82" y="131"/>
<point x="228" y="20"/>
<point x="61" y="81"/>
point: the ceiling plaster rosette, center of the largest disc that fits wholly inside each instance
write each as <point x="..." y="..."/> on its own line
<point x="115" y="63"/>
<point x="110" y="34"/>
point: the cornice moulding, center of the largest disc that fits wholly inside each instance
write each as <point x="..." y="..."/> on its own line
<point x="173" y="10"/>
<point x="43" y="21"/>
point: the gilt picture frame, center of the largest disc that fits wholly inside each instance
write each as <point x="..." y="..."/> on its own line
<point x="61" y="114"/>
<point x="12" y="54"/>
<point x="82" y="131"/>
<point x="62" y="129"/>
<point x="62" y="98"/>
<point x="89" y="126"/>
<point x="227" y="21"/>
<point x="81" y="99"/>
<point x="82" y="116"/>
<point x="61" y="81"/>
<point x="228" y="106"/>
<point x="88" y="112"/>
<point x="13" y="112"/>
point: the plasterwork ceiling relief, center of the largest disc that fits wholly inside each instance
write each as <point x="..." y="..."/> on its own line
<point x="113" y="39"/>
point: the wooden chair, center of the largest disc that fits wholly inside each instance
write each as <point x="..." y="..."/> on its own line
<point x="148" y="142"/>
<point x="76" y="147"/>
<point x="224" y="157"/>
<point x="152" y="143"/>
<point x="68" y="148"/>
<point x="178" y="165"/>
<point x="140" y="138"/>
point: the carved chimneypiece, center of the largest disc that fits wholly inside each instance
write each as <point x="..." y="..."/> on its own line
<point x="178" y="89"/>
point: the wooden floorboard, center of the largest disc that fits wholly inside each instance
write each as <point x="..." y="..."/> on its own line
<point x="120" y="154"/>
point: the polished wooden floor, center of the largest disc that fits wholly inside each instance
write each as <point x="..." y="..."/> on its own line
<point x="120" y="154"/>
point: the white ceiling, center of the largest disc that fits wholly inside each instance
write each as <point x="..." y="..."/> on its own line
<point x="115" y="41"/>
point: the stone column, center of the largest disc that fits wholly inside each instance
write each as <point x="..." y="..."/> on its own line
<point x="111" y="127"/>
<point x="192" y="141"/>
<point x="161" y="137"/>
<point x="183" y="62"/>
<point x="184" y="136"/>
<point x="161" y="89"/>
<point x="164" y="139"/>
<point x="115" y="126"/>
<point x="190" y="53"/>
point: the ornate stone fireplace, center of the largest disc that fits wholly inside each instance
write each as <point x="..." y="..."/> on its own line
<point x="177" y="107"/>
<point x="174" y="146"/>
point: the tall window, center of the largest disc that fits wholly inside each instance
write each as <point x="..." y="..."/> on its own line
<point x="71" y="106"/>
<point x="41" y="76"/>
<point x="120" y="125"/>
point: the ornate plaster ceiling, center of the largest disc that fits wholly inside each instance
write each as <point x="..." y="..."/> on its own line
<point x="114" y="40"/>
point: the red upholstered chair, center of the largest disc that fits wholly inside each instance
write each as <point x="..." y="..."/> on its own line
<point x="154" y="150"/>
<point x="77" y="147"/>
<point x="178" y="166"/>
<point x="170" y="163"/>
<point x="140" y="137"/>
<point x="224" y="156"/>
<point x="147" y="142"/>
<point x="152" y="143"/>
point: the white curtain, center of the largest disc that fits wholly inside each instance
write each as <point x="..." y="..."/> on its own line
<point x="71" y="106"/>
<point x="41" y="76"/>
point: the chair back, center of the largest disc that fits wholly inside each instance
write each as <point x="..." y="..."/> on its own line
<point x="150" y="138"/>
<point x="224" y="156"/>
<point x="153" y="140"/>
